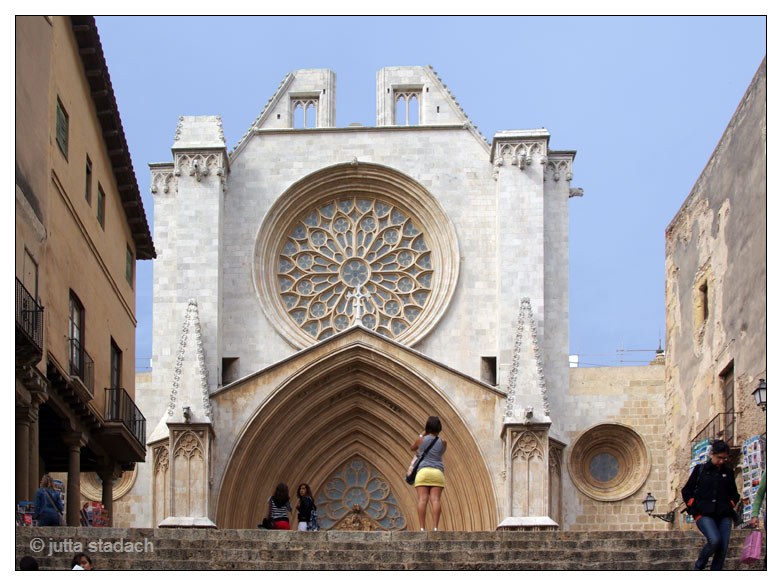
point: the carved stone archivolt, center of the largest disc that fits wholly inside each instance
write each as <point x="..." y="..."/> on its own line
<point x="369" y="405"/>
<point x="609" y="462"/>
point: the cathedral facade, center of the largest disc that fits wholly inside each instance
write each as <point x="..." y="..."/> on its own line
<point x="320" y="291"/>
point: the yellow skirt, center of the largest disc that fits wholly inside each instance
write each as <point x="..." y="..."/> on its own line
<point x="430" y="477"/>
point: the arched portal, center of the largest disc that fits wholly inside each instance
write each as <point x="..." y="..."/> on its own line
<point x="355" y="403"/>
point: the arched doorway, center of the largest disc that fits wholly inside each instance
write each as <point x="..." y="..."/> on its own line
<point x="359" y="405"/>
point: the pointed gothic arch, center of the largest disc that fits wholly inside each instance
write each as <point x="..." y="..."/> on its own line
<point x="355" y="401"/>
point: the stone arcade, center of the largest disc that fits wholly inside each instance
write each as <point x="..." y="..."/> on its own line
<point x="320" y="291"/>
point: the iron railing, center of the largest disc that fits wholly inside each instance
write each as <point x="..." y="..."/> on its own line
<point x="29" y="315"/>
<point x="81" y="365"/>
<point x="120" y="407"/>
<point x="722" y="426"/>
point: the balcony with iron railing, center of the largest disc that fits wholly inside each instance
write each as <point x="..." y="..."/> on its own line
<point x="722" y="426"/>
<point x="29" y="327"/>
<point x="81" y="366"/>
<point x="120" y="407"/>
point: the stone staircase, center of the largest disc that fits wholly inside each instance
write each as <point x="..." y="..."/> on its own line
<point x="250" y="549"/>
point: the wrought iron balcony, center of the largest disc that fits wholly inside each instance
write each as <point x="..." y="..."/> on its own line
<point x="81" y="365"/>
<point x="29" y="327"/>
<point x="121" y="408"/>
<point x="722" y="426"/>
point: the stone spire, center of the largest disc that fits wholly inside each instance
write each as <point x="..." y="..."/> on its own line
<point x="527" y="399"/>
<point x="189" y="394"/>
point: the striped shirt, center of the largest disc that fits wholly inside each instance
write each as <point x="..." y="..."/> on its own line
<point x="279" y="512"/>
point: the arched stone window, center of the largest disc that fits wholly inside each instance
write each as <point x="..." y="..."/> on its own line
<point x="407" y="107"/>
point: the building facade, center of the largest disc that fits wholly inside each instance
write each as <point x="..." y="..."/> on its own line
<point x="715" y="264"/>
<point x="80" y="228"/>
<point x="320" y="291"/>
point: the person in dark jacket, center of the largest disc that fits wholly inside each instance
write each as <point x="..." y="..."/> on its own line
<point x="305" y="506"/>
<point x="48" y="504"/>
<point x="711" y="497"/>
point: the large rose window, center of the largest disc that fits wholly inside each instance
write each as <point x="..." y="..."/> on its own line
<point x="355" y="244"/>
<point x="351" y="260"/>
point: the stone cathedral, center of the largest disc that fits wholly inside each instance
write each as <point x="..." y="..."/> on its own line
<point x="320" y="291"/>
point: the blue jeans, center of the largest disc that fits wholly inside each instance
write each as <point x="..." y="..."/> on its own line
<point x="717" y="534"/>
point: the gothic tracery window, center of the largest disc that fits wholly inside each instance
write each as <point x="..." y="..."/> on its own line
<point x="408" y="107"/>
<point x="357" y="484"/>
<point x="305" y="112"/>
<point x="355" y="259"/>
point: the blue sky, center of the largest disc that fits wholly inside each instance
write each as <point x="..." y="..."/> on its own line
<point x="643" y="101"/>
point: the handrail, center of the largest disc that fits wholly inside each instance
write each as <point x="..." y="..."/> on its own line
<point x="120" y="407"/>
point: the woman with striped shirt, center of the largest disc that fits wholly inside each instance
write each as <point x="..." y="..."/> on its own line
<point x="279" y="507"/>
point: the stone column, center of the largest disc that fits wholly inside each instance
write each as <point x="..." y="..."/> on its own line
<point x="33" y="455"/>
<point x="22" y="454"/>
<point x="107" y="476"/>
<point x="75" y="442"/>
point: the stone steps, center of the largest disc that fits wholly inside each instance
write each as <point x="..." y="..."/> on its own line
<point x="246" y="549"/>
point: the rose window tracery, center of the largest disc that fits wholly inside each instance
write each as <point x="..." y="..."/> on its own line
<point x="355" y="243"/>
<point x="355" y="259"/>
<point x="358" y="486"/>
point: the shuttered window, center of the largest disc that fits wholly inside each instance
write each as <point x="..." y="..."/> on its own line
<point x="62" y="128"/>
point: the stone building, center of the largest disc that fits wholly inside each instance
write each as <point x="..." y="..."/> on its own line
<point x="320" y="291"/>
<point x="715" y="264"/>
<point x="80" y="228"/>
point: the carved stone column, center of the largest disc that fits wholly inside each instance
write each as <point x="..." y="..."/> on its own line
<point x="75" y="442"/>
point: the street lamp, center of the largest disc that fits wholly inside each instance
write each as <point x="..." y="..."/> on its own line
<point x="760" y="394"/>
<point x="649" y="503"/>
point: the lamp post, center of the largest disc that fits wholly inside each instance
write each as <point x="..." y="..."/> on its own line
<point x="649" y="503"/>
<point x="760" y="394"/>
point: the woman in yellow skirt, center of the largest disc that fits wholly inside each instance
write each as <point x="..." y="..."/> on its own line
<point x="430" y="479"/>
